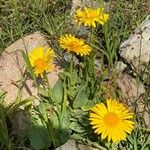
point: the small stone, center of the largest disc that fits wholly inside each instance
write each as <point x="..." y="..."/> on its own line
<point x="21" y="122"/>
<point x="121" y="66"/>
<point x="73" y="145"/>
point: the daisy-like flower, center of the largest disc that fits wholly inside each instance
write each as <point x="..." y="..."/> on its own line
<point x="73" y="44"/>
<point x="112" y="120"/>
<point x="89" y="17"/>
<point x="41" y="58"/>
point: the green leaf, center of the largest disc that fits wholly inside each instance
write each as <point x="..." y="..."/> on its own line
<point x="88" y="105"/>
<point x="146" y="144"/>
<point x="61" y="132"/>
<point x="81" y="100"/>
<point x="57" y="92"/>
<point x="27" y="61"/>
<point x="77" y="114"/>
<point x="39" y="137"/>
<point x="43" y="92"/>
<point x="66" y="120"/>
<point x="2" y="96"/>
<point x="13" y="107"/>
<point x="43" y="107"/>
<point x="75" y="126"/>
<point x="65" y="124"/>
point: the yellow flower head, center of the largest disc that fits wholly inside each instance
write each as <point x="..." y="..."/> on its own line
<point x="112" y="120"/>
<point x="89" y="17"/>
<point x="73" y="44"/>
<point x="41" y="58"/>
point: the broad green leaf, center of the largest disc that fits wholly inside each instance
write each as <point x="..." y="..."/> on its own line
<point x="61" y="129"/>
<point x="44" y="106"/>
<point x="39" y="137"/>
<point x="77" y="127"/>
<point x="88" y="105"/>
<point x="66" y="120"/>
<point x="78" y="114"/>
<point x="80" y="100"/>
<point x="57" y="92"/>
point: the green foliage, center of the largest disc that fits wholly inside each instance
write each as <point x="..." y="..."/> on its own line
<point x="57" y="92"/>
<point x="80" y="100"/>
<point x="53" y="118"/>
<point x="138" y="140"/>
<point x="5" y="140"/>
<point x="7" y="137"/>
<point x="39" y="137"/>
<point x="20" y="18"/>
<point x="29" y="67"/>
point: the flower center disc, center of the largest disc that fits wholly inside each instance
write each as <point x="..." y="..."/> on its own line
<point x="90" y="16"/>
<point x="40" y="64"/>
<point x="111" y="119"/>
<point x="73" y="46"/>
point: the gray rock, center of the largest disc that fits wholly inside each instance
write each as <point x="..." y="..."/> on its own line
<point x="73" y="145"/>
<point x="21" y="122"/>
<point x="136" y="50"/>
<point x="12" y="68"/>
<point x="121" y="66"/>
<point x="132" y="95"/>
<point x="146" y="117"/>
<point x="76" y="4"/>
<point x="130" y="89"/>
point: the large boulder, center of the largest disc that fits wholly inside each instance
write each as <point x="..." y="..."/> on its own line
<point x="136" y="50"/>
<point x="132" y="94"/>
<point x="12" y="67"/>
<point x="135" y="53"/>
<point x="131" y="90"/>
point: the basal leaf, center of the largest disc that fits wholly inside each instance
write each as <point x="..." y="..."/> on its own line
<point x="57" y="92"/>
<point x="80" y="100"/>
<point x="39" y="137"/>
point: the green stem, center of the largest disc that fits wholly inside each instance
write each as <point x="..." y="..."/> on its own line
<point x="148" y="130"/>
<point x="71" y="77"/>
<point x="108" y="48"/>
<point x="51" y="131"/>
<point x="49" y="124"/>
<point x="91" y="60"/>
<point x="64" y="105"/>
<point x="30" y="68"/>
<point x="19" y="94"/>
<point x="113" y="146"/>
<point x="49" y="95"/>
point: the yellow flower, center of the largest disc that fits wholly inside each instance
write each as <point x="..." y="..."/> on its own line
<point x="41" y="58"/>
<point x="73" y="44"/>
<point x="112" y="120"/>
<point x="89" y="17"/>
